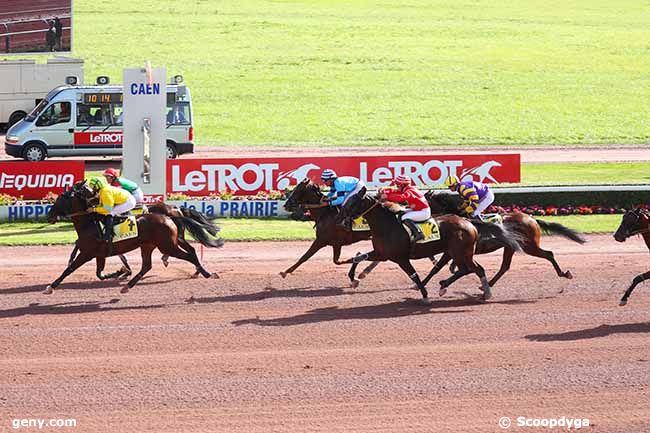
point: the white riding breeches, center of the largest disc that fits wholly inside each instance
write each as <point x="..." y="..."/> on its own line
<point x="124" y="207"/>
<point x="484" y="204"/>
<point x="417" y="215"/>
<point x="138" y="195"/>
<point x="356" y="189"/>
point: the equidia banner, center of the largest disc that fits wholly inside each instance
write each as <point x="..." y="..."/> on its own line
<point x="33" y="180"/>
<point x="244" y="176"/>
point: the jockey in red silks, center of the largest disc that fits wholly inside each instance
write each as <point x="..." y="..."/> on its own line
<point x="418" y="206"/>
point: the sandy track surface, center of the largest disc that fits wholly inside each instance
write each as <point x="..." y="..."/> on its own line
<point x="252" y="352"/>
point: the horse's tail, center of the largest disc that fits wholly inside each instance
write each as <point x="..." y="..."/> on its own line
<point x="200" y="218"/>
<point x="499" y="233"/>
<point x="198" y="231"/>
<point x="561" y="230"/>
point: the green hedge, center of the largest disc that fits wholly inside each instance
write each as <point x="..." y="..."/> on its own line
<point x="615" y="199"/>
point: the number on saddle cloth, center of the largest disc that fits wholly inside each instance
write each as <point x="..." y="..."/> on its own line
<point x="429" y="228"/>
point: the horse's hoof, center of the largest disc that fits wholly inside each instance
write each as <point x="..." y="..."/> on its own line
<point x="213" y="275"/>
<point x="195" y="276"/>
<point x="48" y="290"/>
<point x="354" y="283"/>
<point x="426" y="301"/>
<point x="125" y="289"/>
<point x="165" y="262"/>
<point x="362" y="275"/>
<point x="568" y="275"/>
<point x="487" y="295"/>
<point x="623" y="303"/>
<point x="283" y="274"/>
<point x="442" y="292"/>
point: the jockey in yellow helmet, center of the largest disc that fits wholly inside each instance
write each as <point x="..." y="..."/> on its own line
<point x="477" y="195"/>
<point x="112" y="201"/>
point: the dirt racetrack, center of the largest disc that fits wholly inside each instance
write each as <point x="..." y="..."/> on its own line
<point x="252" y="352"/>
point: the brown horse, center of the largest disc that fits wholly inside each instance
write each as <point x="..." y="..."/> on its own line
<point x="528" y="229"/>
<point x="154" y="231"/>
<point x="173" y="212"/>
<point x="634" y="222"/>
<point x="458" y="238"/>
<point x="307" y="195"/>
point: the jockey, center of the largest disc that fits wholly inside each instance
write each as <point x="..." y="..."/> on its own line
<point x="477" y="195"/>
<point x="341" y="189"/>
<point x="112" y="201"/>
<point x="113" y="179"/>
<point x="419" y="210"/>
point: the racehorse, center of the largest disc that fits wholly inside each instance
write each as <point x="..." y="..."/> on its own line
<point x="634" y="222"/>
<point x="390" y="241"/>
<point x="154" y="231"/>
<point x="171" y="211"/>
<point x="528" y="228"/>
<point x="307" y="195"/>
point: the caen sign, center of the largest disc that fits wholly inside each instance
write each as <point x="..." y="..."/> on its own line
<point x="248" y="176"/>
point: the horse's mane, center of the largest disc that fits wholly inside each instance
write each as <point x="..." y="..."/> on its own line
<point x="443" y="202"/>
<point x="393" y="207"/>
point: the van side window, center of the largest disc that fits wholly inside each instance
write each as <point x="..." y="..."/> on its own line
<point x="178" y="114"/>
<point x="92" y="115"/>
<point x="116" y="114"/>
<point x="55" y="113"/>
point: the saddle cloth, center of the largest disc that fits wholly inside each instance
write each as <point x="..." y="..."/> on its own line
<point x="493" y="218"/>
<point x="124" y="227"/>
<point x="429" y="228"/>
<point x="360" y="225"/>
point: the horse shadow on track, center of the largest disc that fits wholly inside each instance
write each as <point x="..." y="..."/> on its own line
<point x="407" y="307"/>
<point x="270" y="293"/>
<point x="597" y="332"/>
<point x="81" y="285"/>
<point x="36" y="308"/>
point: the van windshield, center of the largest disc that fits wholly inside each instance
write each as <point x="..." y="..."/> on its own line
<point x="37" y="110"/>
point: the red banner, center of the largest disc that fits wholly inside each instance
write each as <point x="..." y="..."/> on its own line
<point x="33" y="180"/>
<point x="98" y="138"/>
<point x="248" y="176"/>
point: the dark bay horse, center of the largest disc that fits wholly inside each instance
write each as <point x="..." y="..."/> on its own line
<point x="176" y="214"/>
<point x="634" y="222"/>
<point x="528" y="228"/>
<point x="154" y="231"/>
<point x="458" y="238"/>
<point x="307" y="195"/>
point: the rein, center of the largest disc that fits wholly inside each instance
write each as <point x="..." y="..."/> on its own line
<point x="369" y="209"/>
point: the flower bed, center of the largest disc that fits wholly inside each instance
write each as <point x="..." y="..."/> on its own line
<point x="564" y="210"/>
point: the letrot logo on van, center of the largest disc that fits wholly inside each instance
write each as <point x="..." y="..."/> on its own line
<point x="98" y="138"/>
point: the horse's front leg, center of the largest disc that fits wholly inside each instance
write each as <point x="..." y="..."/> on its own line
<point x="635" y="282"/>
<point x="76" y="263"/>
<point x="313" y="249"/>
<point x="372" y="256"/>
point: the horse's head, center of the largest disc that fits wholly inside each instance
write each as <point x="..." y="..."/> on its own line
<point x="69" y="202"/>
<point x="633" y="221"/>
<point x="442" y="202"/>
<point x="306" y="192"/>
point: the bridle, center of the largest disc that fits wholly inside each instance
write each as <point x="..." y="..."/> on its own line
<point x="374" y="205"/>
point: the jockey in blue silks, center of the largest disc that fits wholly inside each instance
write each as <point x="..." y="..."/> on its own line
<point x="341" y="189"/>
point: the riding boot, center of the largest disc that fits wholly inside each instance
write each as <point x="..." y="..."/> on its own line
<point x="415" y="229"/>
<point x="108" y="232"/>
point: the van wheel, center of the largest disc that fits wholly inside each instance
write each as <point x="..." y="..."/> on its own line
<point x="16" y="117"/>
<point x="34" y="153"/>
<point x="171" y="151"/>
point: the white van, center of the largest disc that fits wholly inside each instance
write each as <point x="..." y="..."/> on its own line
<point x="87" y="121"/>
